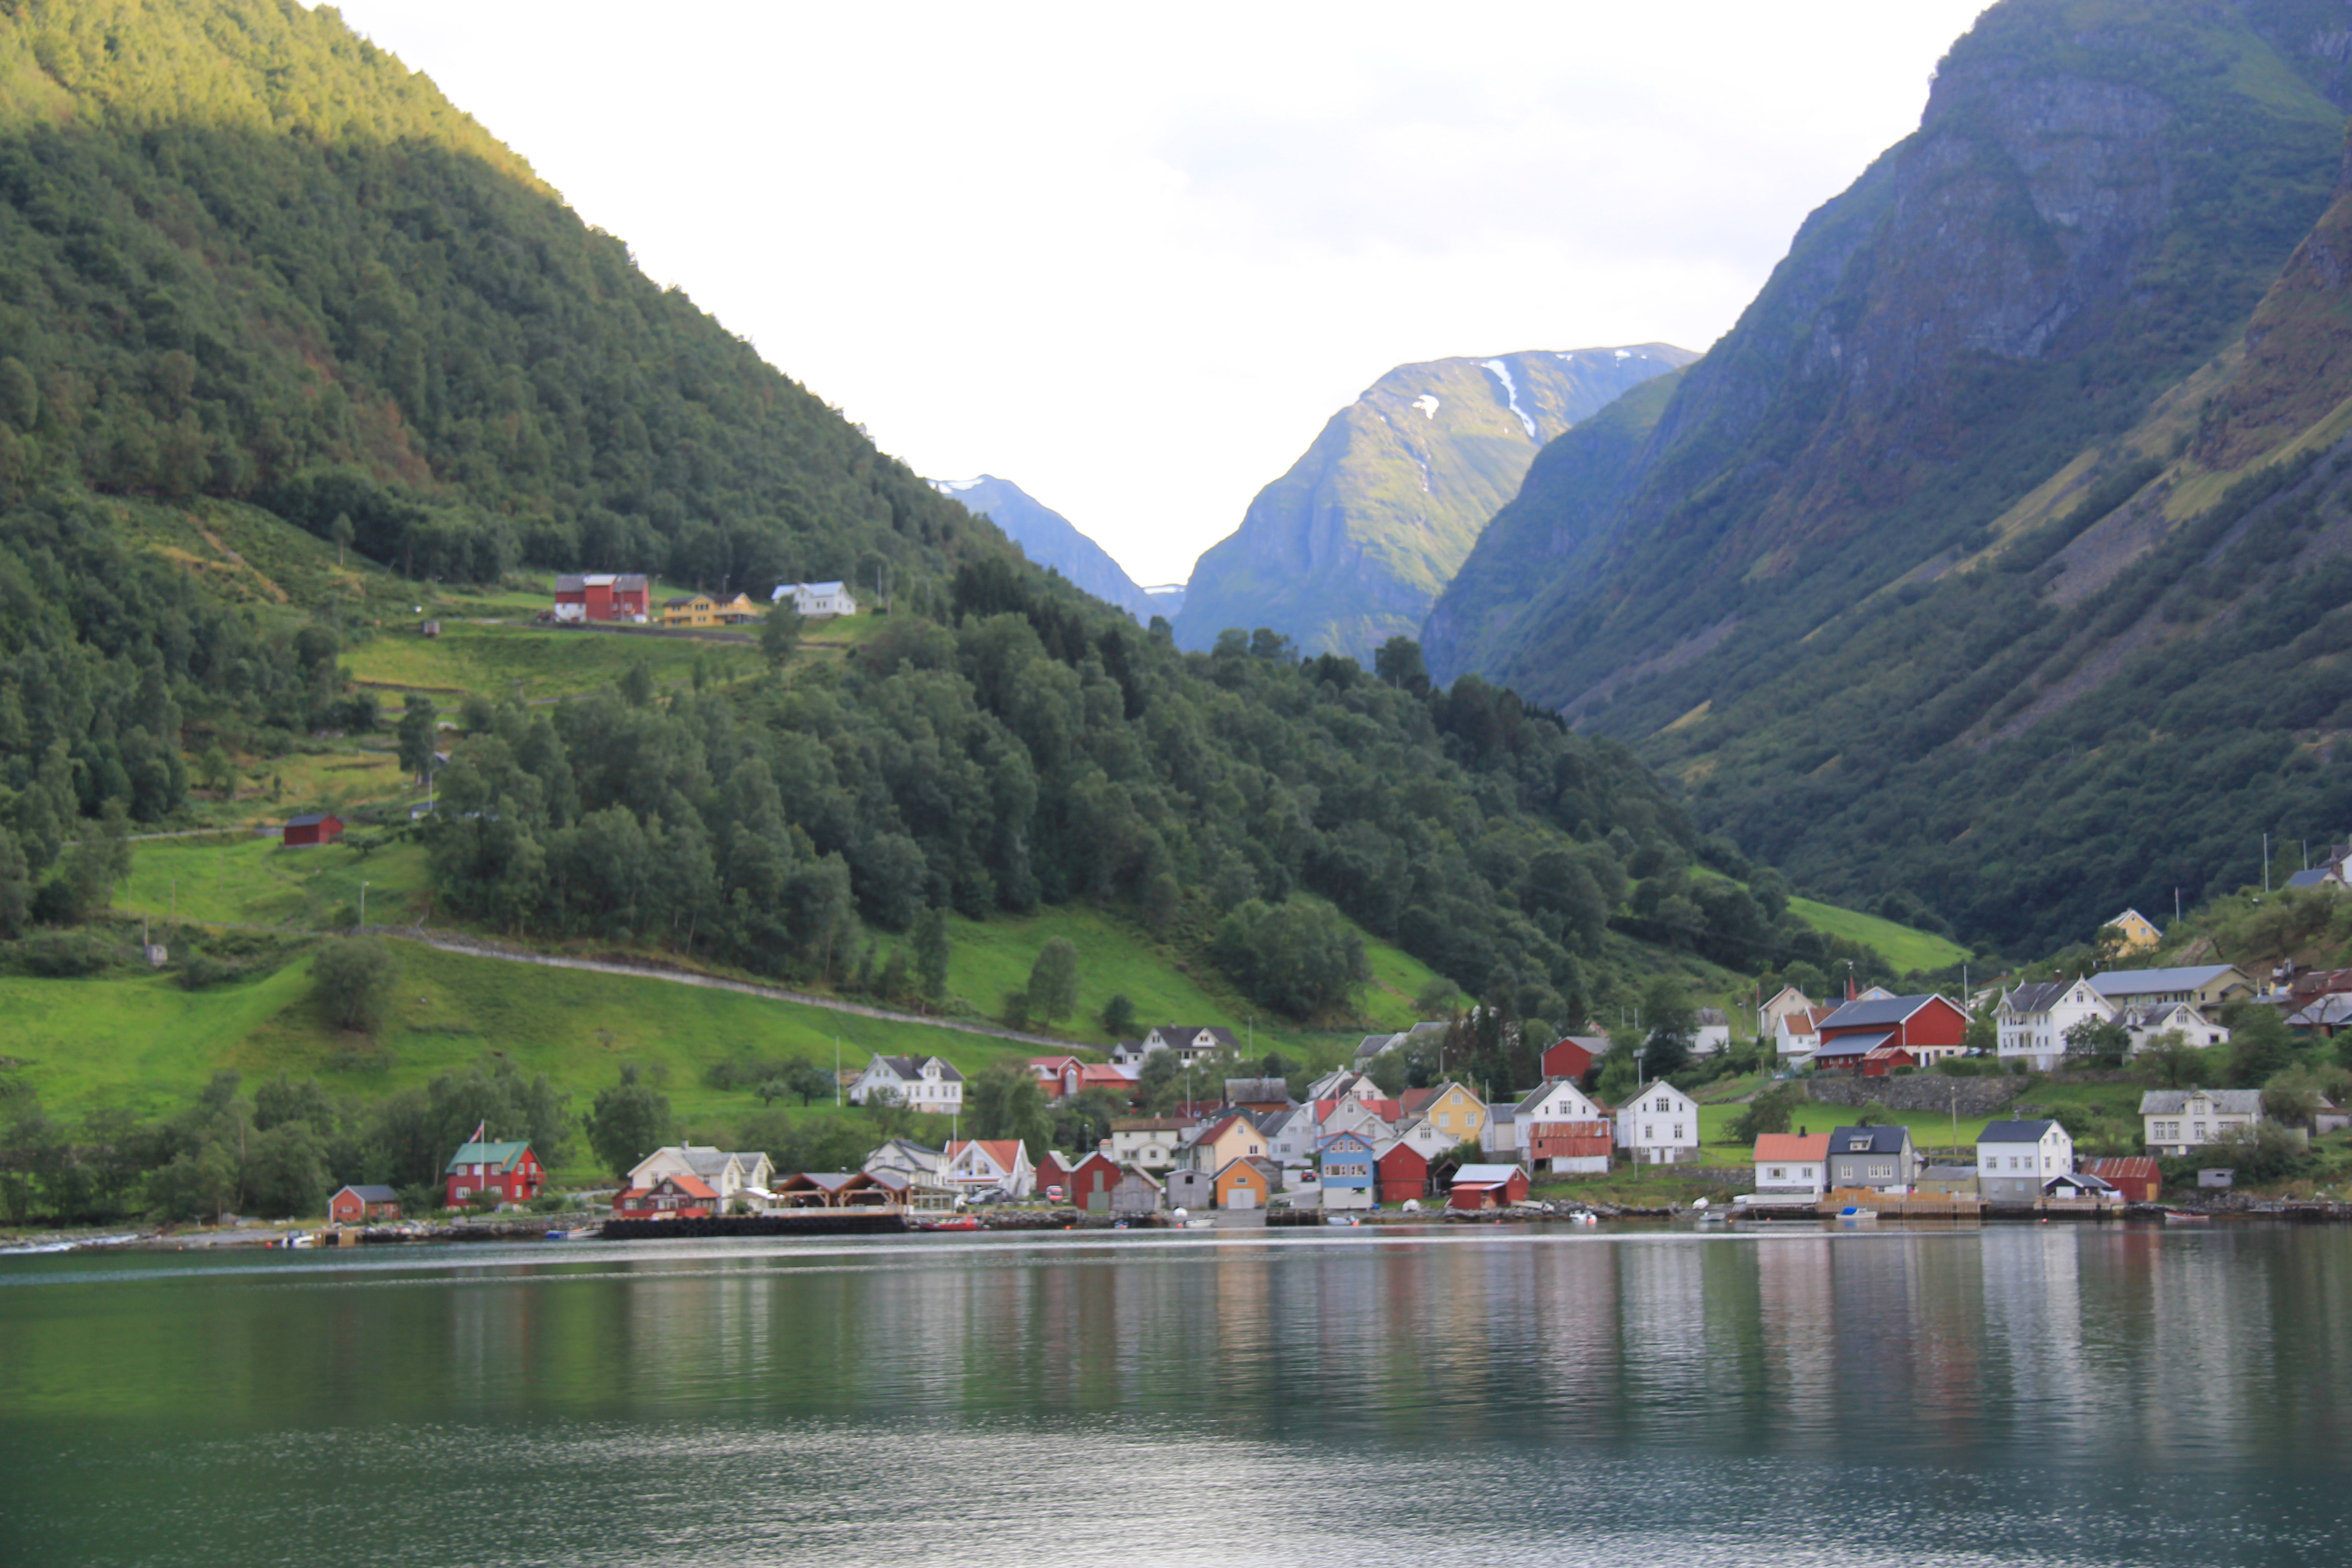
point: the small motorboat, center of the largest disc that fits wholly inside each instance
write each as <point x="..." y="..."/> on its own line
<point x="2182" y="1216"/>
<point x="1341" y="1219"/>
<point x="1853" y="1213"/>
<point x="954" y="1222"/>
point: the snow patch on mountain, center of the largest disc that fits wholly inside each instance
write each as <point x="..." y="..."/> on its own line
<point x="1510" y="393"/>
<point x="956" y="486"/>
<point x="1427" y="403"/>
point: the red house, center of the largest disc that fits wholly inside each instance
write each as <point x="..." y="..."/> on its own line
<point x="1573" y="1056"/>
<point x="1401" y="1174"/>
<point x="357" y="1206"/>
<point x="315" y="828"/>
<point x="1091" y="1183"/>
<point x="672" y="1197"/>
<point x="581" y="597"/>
<point x="509" y="1170"/>
<point x="2136" y="1177"/>
<point x="1928" y="1027"/>
<point x="1488" y="1187"/>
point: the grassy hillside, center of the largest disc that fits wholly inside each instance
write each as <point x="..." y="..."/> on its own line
<point x="1907" y="949"/>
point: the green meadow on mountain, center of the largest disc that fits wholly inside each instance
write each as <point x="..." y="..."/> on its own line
<point x="1996" y="563"/>
<point x="1351" y="546"/>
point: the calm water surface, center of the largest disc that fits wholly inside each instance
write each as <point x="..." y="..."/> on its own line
<point x="2040" y="1395"/>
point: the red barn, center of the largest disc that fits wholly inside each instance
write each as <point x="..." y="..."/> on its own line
<point x="1488" y="1187"/>
<point x="509" y="1170"/>
<point x="1573" y="1056"/>
<point x="1586" y="1141"/>
<point x="581" y="597"/>
<point x="315" y="828"/>
<point x="1053" y="1171"/>
<point x="356" y="1206"/>
<point x="1401" y="1173"/>
<point x="2136" y="1177"/>
<point x="1091" y="1183"/>
<point x="1885" y="1060"/>
<point x="1928" y="1027"/>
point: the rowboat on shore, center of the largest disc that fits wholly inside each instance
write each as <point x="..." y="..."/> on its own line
<point x="2182" y="1216"/>
<point x="953" y="1222"/>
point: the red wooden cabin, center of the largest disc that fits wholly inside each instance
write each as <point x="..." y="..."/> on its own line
<point x="317" y="827"/>
<point x="1401" y="1173"/>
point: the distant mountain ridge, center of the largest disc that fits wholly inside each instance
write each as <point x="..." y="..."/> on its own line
<point x="1049" y="538"/>
<point x="1352" y="545"/>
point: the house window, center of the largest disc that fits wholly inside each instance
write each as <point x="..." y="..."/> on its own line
<point x="1649" y="1133"/>
<point x="1881" y="1172"/>
<point x="1777" y="1172"/>
<point x="1678" y="1132"/>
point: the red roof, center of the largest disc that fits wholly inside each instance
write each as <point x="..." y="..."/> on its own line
<point x="692" y="1186"/>
<point x="1005" y="1152"/>
<point x="2127" y="1165"/>
<point x="1793" y="1147"/>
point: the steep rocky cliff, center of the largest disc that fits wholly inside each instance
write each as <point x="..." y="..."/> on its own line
<point x="1349" y="547"/>
<point x="1049" y="538"/>
<point x="1910" y="577"/>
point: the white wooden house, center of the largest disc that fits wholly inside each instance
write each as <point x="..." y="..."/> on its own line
<point x="977" y="1164"/>
<point x="1660" y="1127"/>
<point x="2016" y="1160"/>
<point x="2180" y="1120"/>
<point x="918" y="1083"/>
<point x="2031" y="1021"/>
<point x="727" y="1173"/>
<point x="817" y="599"/>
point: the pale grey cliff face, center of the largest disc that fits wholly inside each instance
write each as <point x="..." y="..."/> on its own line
<point x="1351" y="546"/>
<point x="1049" y="538"/>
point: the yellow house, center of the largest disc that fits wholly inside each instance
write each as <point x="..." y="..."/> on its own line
<point x="1234" y="1138"/>
<point x="1451" y="1108"/>
<point x="734" y="612"/>
<point x="2136" y="930"/>
<point x="694" y="610"/>
<point x="1241" y="1185"/>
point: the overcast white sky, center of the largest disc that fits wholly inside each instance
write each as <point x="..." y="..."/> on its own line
<point x="1133" y="258"/>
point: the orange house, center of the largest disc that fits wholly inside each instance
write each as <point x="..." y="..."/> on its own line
<point x="1241" y="1185"/>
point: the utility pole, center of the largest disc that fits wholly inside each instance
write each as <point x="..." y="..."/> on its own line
<point x="836" y="1080"/>
<point x="362" y="906"/>
<point x="2266" y="862"/>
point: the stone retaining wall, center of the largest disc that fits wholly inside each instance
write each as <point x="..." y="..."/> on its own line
<point x="1971" y="1097"/>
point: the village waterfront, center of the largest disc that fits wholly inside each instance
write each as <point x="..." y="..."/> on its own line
<point x="2041" y="1394"/>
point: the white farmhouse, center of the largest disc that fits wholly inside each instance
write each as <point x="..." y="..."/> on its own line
<point x="2180" y="1120"/>
<point x="1559" y="1124"/>
<point x="924" y="1083"/>
<point x="726" y="1172"/>
<point x="981" y="1163"/>
<point x="816" y="600"/>
<point x="1660" y="1127"/>
<point x="2016" y="1160"/>
<point x="1714" y="1032"/>
<point x="2145" y="1024"/>
<point x="2032" y="1020"/>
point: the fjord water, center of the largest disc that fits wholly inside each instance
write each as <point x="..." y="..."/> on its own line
<point x="2048" y="1395"/>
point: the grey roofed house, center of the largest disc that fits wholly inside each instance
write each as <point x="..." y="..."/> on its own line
<point x="1871" y="1157"/>
<point x="1257" y="1091"/>
<point x="2183" y="982"/>
<point x="2078" y="1183"/>
<point x="1373" y="1044"/>
<point x="374" y="1195"/>
<point x="2015" y="1132"/>
<point x="1851" y="1046"/>
<point x="1873" y="1011"/>
<point x="2173" y="1101"/>
<point x="2316" y="878"/>
<point x="2332" y="1012"/>
<point x="2038" y="997"/>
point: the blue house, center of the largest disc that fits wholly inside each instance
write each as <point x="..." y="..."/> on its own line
<point x="1349" y="1171"/>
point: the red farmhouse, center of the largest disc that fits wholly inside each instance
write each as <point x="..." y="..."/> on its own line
<point x="601" y="596"/>
<point x="354" y="1205"/>
<point x="317" y="828"/>
<point x="1927" y="1028"/>
<point x="1401" y="1174"/>
<point x="510" y="1169"/>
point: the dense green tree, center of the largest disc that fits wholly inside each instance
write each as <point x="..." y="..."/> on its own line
<point x="780" y="634"/>
<point x="629" y="1121"/>
<point x="1118" y="1015"/>
<point x="1054" y="981"/>
<point x="354" y="979"/>
<point x="2100" y="1041"/>
<point x="418" y="734"/>
<point x="1671" y="1024"/>
<point x="1007" y="1101"/>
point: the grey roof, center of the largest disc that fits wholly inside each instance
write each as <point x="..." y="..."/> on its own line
<point x="1373" y="1044"/>
<point x="2139" y="982"/>
<point x="2038" y="997"/>
<point x="1871" y="1140"/>
<point x="1483" y="1175"/>
<point x="308" y="819"/>
<point x="1712" y="1017"/>
<point x="1885" y="1010"/>
<point x="2015" y="1132"/>
<point x="2080" y="1179"/>
<point x="2323" y="1012"/>
<point x="1855" y="1044"/>
<point x="1238" y="1089"/>
<point x="2315" y="877"/>
<point x="2173" y="1101"/>
<point x="909" y="1068"/>
<point x="374" y="1195"/>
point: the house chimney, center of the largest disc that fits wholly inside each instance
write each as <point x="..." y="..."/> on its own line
<point x="1849" y="992"/>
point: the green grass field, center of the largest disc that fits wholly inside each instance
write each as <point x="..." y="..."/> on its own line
<point x="260" y="881"/>
<point x="539" y="661"/>
<point x="1900" y="945"/>
<point x="989" y="958"/>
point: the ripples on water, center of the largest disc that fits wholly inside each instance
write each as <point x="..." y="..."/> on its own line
<point x="2046" y="1396"/>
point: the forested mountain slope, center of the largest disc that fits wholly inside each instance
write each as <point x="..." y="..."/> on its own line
<point x="1349" y="548"/>
<point x="1987" y="560"/>
<point x="1049" y="538"/>
<point x="248" y="262"/>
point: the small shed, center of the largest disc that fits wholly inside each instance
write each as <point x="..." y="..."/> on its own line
<point x="1136" y="1194"/>
<point x="1190" y="1189"/>
<point x="1091" y="1183"/>
<point x="2135" y="1178"/>
<point x="314" y="828"/>
<point x="1953" y="1181"/>
<point x="1573" y="1055"/>
<point x="1403" y="1174"/>
<point x="1488" y="1187"/>
<point x="1242" y="1185"/>
<point x="357" y="1206"/>
<point x="2077" y="1185"/>
<point x="432" y="628"/>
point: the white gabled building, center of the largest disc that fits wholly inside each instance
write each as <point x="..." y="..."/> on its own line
<point x="979" y="1163"/>
<point x="816" y="599"/>
<point x="2031" y="1021"/>
<point x="1559" y="1128"/>
<point x="727" y="1172"/>
<point x="2145" y="1024"/>
<point x="918" y="1083"/>
<point x="2182" y="1120"/>
<point x="1660" y="1127"/>
<point x="2016" y="1160"/>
